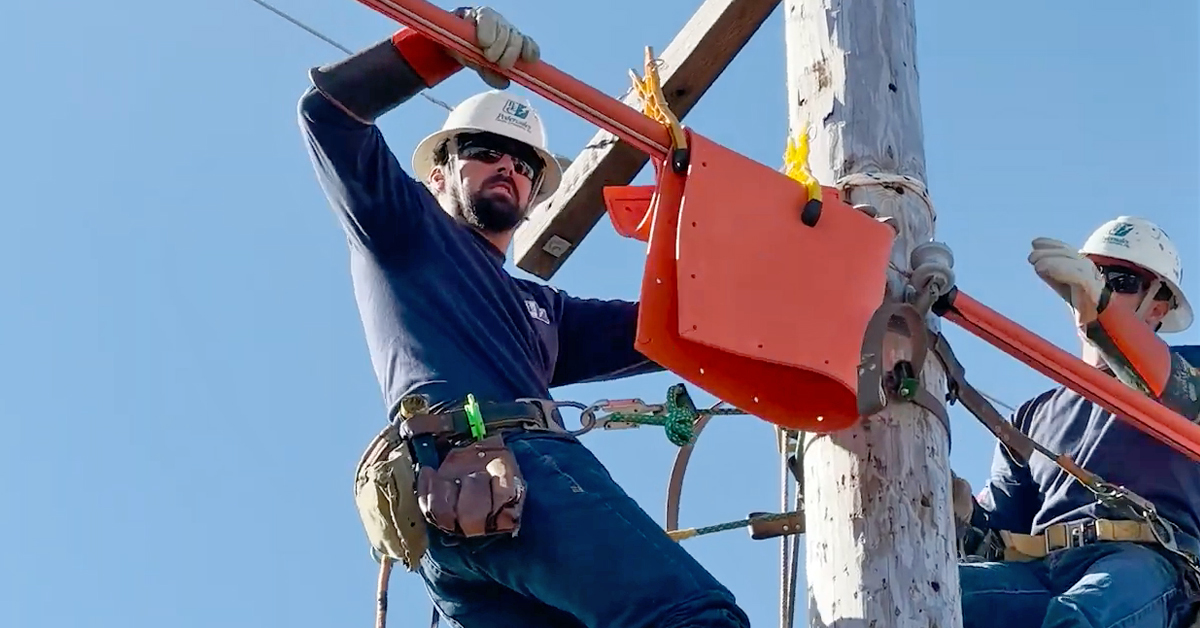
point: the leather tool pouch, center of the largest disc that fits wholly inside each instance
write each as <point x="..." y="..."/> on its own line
<point x="477" y="490"/>
<point x="385" y="494"/>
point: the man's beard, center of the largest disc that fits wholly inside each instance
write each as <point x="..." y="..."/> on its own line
<point x="485" y="210"/>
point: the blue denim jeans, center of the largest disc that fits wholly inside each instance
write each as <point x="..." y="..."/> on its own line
<point x="1105" y="585"/>
<point x="586" y="555"/>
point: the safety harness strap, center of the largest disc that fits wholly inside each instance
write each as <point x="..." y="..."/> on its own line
<point x="1144" y="523"/>
<point x="1019" y="446"/>
<point x="1024" y="547"/>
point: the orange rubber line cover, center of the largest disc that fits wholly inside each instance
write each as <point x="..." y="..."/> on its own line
<point x="756" y="282"/>
<point x="1130" y="405"/>
<point x="812" y="385"/>
<point x="585" y="101"/>
<point x="629" y="209"/>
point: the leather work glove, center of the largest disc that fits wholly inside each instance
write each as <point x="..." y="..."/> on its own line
<point x="963" y="498"/>
<point x="499" y="41"/>
<point x="1074" y="277"/>
<point x="968" y="538"/>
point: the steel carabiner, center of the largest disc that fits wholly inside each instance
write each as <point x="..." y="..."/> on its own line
<point x="549" y="408"/>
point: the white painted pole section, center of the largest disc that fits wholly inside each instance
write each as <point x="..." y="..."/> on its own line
<point x="880" y="548"/>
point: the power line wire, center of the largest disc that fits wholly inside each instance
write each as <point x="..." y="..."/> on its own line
<point x="315" y="33"/>
<point x="997" y="401"/>
<point x="562" y="160"/>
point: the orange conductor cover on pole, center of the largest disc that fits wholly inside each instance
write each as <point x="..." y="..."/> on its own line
<point x="742" y="299"/>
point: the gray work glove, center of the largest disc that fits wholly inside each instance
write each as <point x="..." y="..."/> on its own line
<point x="499" y="41"/>
<point x="1074" y="277"/>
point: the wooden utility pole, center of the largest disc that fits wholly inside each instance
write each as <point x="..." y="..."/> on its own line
<point x="880" y="548"/>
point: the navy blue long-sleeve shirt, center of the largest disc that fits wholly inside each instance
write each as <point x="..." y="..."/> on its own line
<point x="1027" y="499"/>
<point x="441" y="315"/>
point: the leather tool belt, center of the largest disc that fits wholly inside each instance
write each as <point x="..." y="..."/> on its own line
<point x="456" y="424"/>
<point x="448" y="469"/>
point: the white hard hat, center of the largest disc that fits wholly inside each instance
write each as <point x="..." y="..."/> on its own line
<point x="1140" y="242"/>
<point x="495" y="112"/>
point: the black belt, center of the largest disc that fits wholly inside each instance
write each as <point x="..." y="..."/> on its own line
<point x="496" y="416"/>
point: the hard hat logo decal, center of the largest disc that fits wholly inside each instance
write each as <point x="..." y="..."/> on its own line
<point x="1116" y="235"/>
<point x="1115" y="241"/>
<point x="516" y="114"/>
<point x="1121" y="230"/>
<point x="516" y="109"/>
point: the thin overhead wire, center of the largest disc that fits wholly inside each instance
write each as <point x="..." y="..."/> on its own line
<point x="562" y="160"/>
<point x="315" y="33"/>
<point x="997" y="401"/>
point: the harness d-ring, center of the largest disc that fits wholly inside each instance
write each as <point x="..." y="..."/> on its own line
<point x="549" y="407"/>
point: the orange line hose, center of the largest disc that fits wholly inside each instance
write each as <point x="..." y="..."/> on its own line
<point x="1143" y="412"/>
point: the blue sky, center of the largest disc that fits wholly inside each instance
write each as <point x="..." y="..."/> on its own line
<point x="185" y="389"/>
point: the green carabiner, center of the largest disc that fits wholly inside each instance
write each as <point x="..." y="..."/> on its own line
<point x="474" y="418"/>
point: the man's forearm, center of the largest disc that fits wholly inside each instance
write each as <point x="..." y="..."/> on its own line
<point x="597" y="342"/>
<point x="376" y="80"/>
<point x="364" y="182"/>
<point x="1141" y="359"/>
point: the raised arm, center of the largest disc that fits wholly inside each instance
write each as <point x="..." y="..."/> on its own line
<point x="595" y="341"/>
<point x="1134" y="351"/>
<point x="374" y="198"/>
<point x="1141" y="359"/>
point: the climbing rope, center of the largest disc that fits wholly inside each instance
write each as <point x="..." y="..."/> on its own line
<point x="687" y="533"/>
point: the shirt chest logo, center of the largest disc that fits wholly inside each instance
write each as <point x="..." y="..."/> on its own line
<point x="536" y="311"/>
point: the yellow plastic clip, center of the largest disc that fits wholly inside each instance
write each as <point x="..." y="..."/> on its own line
<point x="795" y="165"/>
<point x="654" y="106"/>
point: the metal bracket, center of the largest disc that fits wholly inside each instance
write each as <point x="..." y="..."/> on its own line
<point x="931" y="277"/>
<point x="879" y="383"/>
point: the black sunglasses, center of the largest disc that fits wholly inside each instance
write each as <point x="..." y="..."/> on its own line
<point x="489" y="148"/>
<point x="1124" y="280"/>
